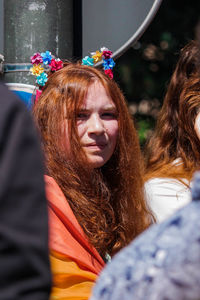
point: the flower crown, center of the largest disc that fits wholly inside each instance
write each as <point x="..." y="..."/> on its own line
<point x="105" y="54"/>
<point x="45" y="61"/>
<point x="42" y="63"/>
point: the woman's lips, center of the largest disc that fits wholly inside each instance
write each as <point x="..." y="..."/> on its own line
<point x="96" y="146"/>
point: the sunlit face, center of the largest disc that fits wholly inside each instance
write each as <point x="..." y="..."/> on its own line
<point x="197" y="125"/>
<point x="97" y="126"/>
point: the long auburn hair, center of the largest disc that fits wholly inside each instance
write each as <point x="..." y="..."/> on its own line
<point x="174" y="136"/>
<point x="108" y="202"/>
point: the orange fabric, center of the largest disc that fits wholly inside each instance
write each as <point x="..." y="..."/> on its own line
<point x="69" y="281"/>
<point x="75" y="263"/>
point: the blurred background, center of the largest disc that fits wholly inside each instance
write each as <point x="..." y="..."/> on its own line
<point x="144" y="71"/>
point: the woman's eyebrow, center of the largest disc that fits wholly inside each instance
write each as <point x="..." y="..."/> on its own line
<point x="109" y="108"/>
<point x="83" y="109"/>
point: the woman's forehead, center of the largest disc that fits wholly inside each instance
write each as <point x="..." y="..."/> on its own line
<point x="97" y="96"/>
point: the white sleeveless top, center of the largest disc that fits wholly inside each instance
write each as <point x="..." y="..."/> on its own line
<point x="165" y="195"/>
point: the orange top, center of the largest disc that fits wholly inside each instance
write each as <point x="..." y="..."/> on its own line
<point x="75" y="263"/>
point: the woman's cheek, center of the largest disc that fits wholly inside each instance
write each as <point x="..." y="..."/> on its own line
<point x="81" y="128"/>
<point x="113" y="128"/>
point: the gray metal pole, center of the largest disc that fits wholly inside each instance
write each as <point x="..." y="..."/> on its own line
<point x="1" y="26"/>
<point x="35" y="26"/>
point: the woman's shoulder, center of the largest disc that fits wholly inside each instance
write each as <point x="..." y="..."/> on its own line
<point x="66" y="236"/>
<point x="51" y="184"/>
<point x="54" y="194"/>
<point x="57" y="202"/>
<point x="166" y="195"/>
<point x="160" y="184"/>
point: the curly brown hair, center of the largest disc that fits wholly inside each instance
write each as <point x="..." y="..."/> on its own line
<point x="108" y="202"/>
<point x="174" y="136"/>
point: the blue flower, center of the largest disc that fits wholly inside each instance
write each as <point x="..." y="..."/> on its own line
<point x="88" y="61"/>
<point x="47" y="57"/>
<point x="108" y="63"/>
<point x="42" y="79"/>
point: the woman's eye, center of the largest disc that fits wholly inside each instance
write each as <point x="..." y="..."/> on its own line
<point x="82" y="116"/>
<point x="109" y="115"/>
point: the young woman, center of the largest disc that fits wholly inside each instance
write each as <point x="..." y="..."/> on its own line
<point x="173" y="152"/>
<point x="93" y="183"/>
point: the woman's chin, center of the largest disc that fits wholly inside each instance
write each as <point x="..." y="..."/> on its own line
<point x="96" y="163"/>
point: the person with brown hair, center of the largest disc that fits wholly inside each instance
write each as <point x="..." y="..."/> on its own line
<point x="93" y="175"/>
<point x="173" y="152"/>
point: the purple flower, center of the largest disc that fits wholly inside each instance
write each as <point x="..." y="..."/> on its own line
<point x="36" y="59"/>
<point x="107" y="54"/>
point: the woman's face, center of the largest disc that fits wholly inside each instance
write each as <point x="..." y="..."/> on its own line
<point x="197" y="125"/>
<point x="97" y="125"/>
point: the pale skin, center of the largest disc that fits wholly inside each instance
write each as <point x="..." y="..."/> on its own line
<point x="97" y="125"/>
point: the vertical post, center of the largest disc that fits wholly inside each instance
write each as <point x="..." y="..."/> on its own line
<point x="77" y="28"/>
<point x="36" y="26"/>
<point x="1" y="26"/>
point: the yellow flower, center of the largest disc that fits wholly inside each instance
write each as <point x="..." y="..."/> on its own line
<point x="37" y="70"/>
<point x="97" y="56"/>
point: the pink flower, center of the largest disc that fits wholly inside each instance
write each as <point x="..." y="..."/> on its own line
<point x="36" y="59"/>
<point x="56" y="64"/>
<point x="107" y="54"/>
<point x="38" y="94"/>
<point x="109" y="73"/>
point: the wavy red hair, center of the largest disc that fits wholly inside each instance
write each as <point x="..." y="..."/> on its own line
<point x="174" y="136"/>
<point x="108" y="202"/>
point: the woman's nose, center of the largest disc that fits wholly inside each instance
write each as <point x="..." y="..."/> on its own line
<point x="95" y="125"/>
